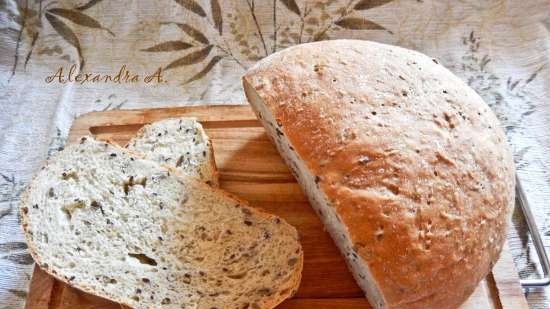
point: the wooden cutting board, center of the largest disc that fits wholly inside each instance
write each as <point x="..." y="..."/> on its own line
<point x="251" y="168"/>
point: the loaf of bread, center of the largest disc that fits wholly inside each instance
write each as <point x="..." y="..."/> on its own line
<point x="404" y="163"/>
<point x="112" y="224"/>
<point x="180" y="143"/>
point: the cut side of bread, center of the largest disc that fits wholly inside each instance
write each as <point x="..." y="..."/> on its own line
<point x="319" y="202"/>
<point x="181" y="143"/>
<point x="405" y="164"/>
<point x="127" y="229"/>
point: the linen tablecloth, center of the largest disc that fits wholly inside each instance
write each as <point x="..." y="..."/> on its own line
<point x="500" y="48"/>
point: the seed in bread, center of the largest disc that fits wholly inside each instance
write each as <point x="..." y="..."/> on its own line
<point x="124" y="228"/>
<point x="181" y="143"/>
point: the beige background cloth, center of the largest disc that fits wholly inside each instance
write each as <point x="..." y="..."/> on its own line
<point x="500" y="48"/>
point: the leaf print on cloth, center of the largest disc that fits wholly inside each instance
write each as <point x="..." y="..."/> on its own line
<point x="5" y="211"/>
<point x="18" y="293"/>
<point x="19" y="258"/>
<point x="57" y="143"/>
<point x="192" y="6"/>
<point x="501" y="97"/>
<point x="358" y="24"/>
<point x="292" y="22"/>
<point x="68" y="34"/>
<point x="192" y="58"/>
<point x="79" y="18"/>
<point x="292" y="6"/>
<point x="30" y="21"/>
<point x="206" y="70"/>
<point x="346" y="21"/>
<point x="10" y="190"/>
<point x="194" y="33"/>
<point x="252" y="7"/>
<point x="88" y="5"/>
<point x="369" y="4"/>
<point x="217" y="15"/>
<point x="206" y="44"/>
<point x="15" y="252"/>
<point x="168" y="46"/>
<point x="11" y="246"/>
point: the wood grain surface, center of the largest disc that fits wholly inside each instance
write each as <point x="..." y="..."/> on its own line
<point x="251" y="168"/>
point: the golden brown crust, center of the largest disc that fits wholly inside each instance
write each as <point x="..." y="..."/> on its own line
<point x="412" y="160"/>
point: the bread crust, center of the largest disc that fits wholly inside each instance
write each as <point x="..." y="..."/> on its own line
<point x="286" y="292"/>
<point x="412" y="160"/>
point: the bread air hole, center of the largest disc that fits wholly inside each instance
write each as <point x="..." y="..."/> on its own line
<point x="379" y="233"/>
<point x="143" y="259"/>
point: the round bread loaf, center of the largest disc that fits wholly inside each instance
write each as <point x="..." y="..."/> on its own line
<point x="405" y="164"/>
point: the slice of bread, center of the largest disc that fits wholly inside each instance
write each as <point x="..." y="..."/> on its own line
<point x="180" y="143"/>
<point x="112" y="224"/>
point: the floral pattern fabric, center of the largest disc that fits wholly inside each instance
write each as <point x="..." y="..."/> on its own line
<point x="141" y="54"/>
